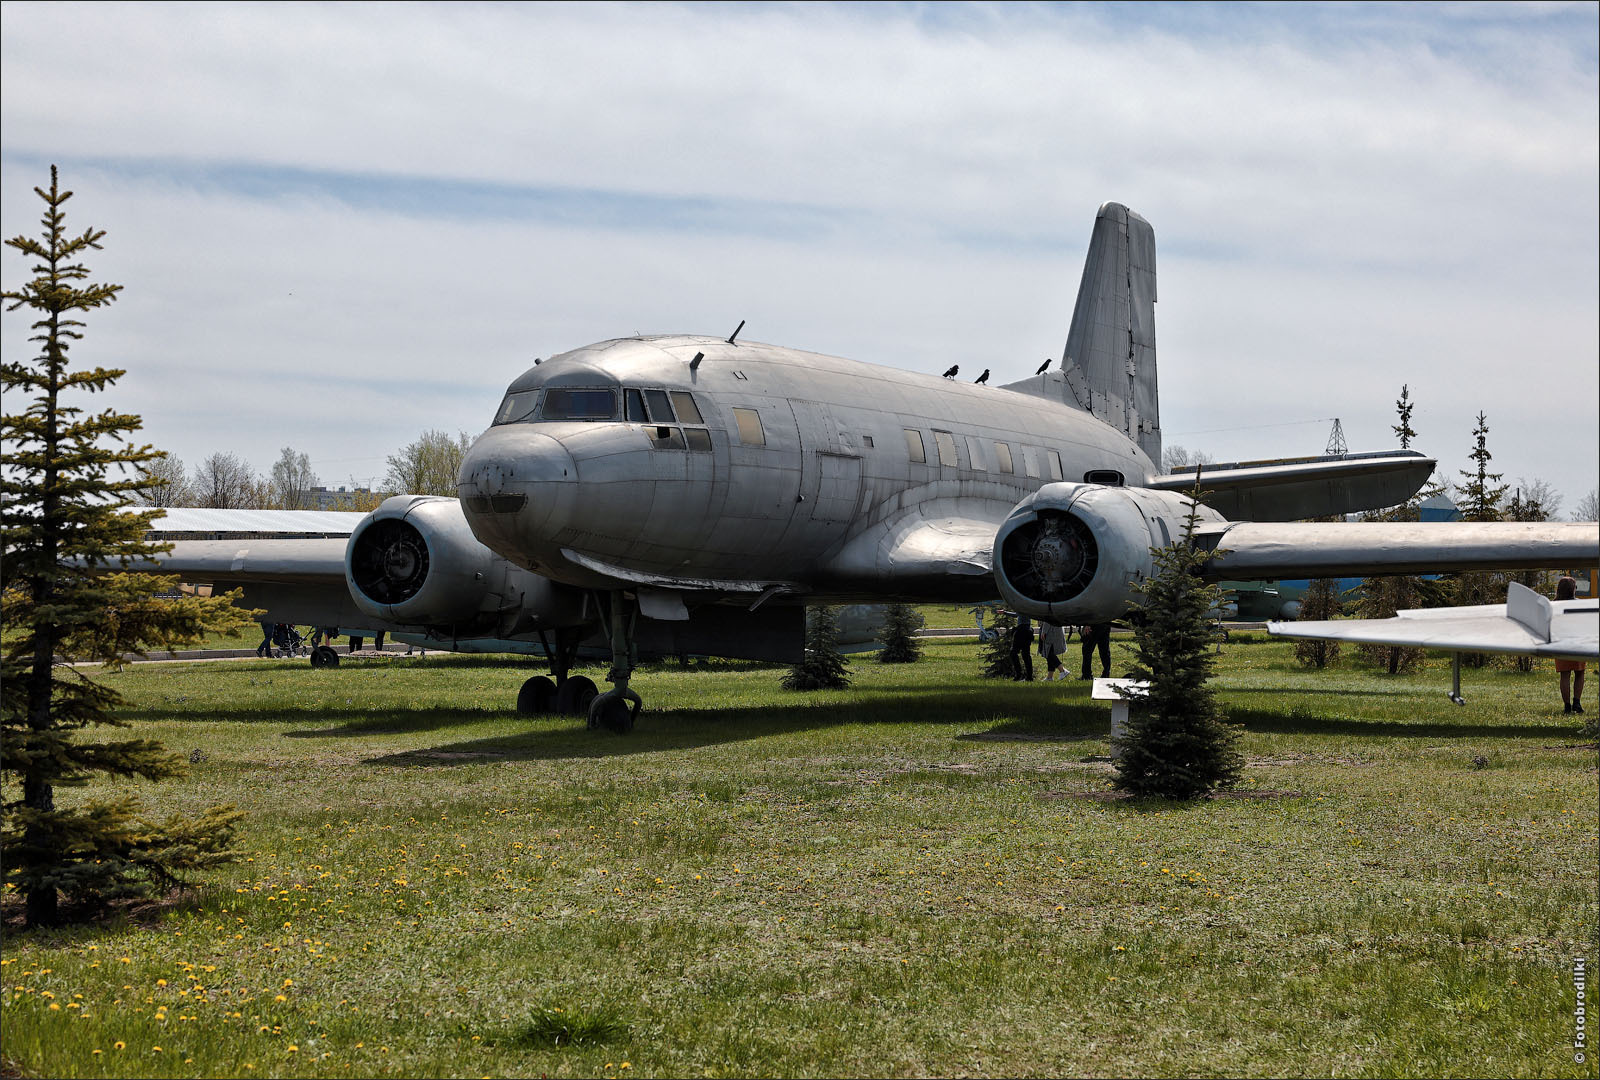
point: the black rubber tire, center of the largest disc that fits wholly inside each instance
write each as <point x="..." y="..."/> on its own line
<point x="537" y="696"/>
<point x="612" y="712"/>
<point x="323" y="656"/>
<point x="574" y="695"/>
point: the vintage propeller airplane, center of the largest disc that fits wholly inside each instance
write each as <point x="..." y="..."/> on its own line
<point x="686" y="494"/>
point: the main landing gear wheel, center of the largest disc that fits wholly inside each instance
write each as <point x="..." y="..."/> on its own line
<point x="537" y="696"/>
<point x="574" y="695"/>
<point x="614" y="711"/>
<point x="324" y="656"/>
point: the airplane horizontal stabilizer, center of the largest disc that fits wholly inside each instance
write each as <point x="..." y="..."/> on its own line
<point x="1292" y="489"/>
<point x="1526" y="624"/>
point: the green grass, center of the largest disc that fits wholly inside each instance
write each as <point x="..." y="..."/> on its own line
<point x="922" y="875"/>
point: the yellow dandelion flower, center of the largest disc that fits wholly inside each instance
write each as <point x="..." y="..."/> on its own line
<point x="293" y="1049"/>
<point x="119" y="1045"/>
<point x="280" y="997"/>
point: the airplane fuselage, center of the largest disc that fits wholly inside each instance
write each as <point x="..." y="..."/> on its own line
<point x="631" y="459"/>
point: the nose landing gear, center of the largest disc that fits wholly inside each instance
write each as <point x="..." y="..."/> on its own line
<point x="617" y="708"/>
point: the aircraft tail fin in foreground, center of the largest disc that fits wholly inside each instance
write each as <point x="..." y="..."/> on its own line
<point x="1110" y="357"/>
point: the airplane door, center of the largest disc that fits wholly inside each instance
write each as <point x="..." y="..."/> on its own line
<point x="830" y="471"/>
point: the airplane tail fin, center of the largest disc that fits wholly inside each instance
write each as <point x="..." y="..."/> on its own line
<point x="1110" y="358"/>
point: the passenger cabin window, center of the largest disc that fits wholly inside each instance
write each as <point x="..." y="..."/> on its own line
<point x="867" y="441"/>
<point x="914" y="445"/>
<point x="1002" y="455"/>
<point x="517" y="407"/>
<point x="946" y="443"/>
<point x="579" y="405"/>
<point x="750" y="433"/>
<point x="1110" y="477"/>
<point x="975" y="454"/>
<point x="1054" y="459"/>
<point x="1030" y="461"/>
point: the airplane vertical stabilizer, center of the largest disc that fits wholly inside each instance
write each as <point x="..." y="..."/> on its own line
<point x="1110" y="359"/>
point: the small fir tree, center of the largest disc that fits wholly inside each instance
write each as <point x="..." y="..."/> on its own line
<point x="1381" y="597"/>
<point x="824" y="667"/>
<point x="1321" y="602"/>
<point x="900" y="622"/>
<point x="996" y="656"/>
<point x="65" y="532"/>
<point x="1177" y="744"/>
<point x="1480" y="499"/>
<point x="1404" y="407"/>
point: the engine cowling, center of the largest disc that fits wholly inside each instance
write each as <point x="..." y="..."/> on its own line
<point x="414" y="560"/>
<point x="1071" y="553"/>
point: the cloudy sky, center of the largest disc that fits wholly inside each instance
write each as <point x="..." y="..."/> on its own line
<point x="339" y="226"/>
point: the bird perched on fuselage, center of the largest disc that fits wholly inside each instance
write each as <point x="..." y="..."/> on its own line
<point x="1047" y="362"/>
<point x="981" y="379"/>
<point x="952" y="372"/>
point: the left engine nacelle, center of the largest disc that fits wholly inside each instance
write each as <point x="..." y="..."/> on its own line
<point x="1070" y="553"/>
<point x="414" y="560"/>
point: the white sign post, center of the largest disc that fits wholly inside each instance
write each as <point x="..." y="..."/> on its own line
<point x="1118" y="692"/>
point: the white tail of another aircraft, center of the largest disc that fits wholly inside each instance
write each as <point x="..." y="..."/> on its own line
<point x="1110" y="359"/>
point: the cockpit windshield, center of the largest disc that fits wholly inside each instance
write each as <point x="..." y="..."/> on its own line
<point x="579" y="405"/>
<point x="638" y="406"/>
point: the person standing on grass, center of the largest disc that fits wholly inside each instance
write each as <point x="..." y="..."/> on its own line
<point x="1052" y="643"/>
<point x="265" y="648"/>
<point x="1096" y="636"/>
<point x="1021" y="649"/>
<point x="1570" y="671"/>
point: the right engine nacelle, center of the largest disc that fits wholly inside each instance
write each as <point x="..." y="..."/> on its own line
<point x="1070" y="553"/>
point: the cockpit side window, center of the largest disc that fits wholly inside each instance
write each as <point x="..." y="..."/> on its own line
<point x="517" y="407"/>
<point x="688" y="412"/>
<point x="579" y="405"/>
<point x="660" y="407"/>
<point x="634" y="406"/>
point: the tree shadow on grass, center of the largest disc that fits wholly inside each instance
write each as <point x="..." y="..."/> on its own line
<point x="1300" y="721"/>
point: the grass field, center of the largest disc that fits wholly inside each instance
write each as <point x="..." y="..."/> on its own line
<point x="923" y="875"/>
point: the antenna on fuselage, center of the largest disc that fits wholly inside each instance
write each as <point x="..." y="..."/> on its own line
<point x="736" y="330"/>
<point x="699" y="356"/>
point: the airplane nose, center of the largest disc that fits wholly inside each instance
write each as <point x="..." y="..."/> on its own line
<point x="515" y="480"/>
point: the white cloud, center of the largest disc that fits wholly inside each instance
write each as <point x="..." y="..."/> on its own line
<point x="1363" y="198"/>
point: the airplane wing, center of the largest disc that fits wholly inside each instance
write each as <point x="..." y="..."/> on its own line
<point x="1526" y="623"/>
<point x="1255" y="551"/>
<point x="941" y="539"/>
<point x="226" y="547"/>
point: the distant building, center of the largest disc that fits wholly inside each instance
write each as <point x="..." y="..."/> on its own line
<point x="321" y="498"/>
<point x="1438" y="508"/>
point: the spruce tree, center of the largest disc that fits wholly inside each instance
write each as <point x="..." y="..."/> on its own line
<point x="1381" y="597"/>
<point x="996" y="655"/>
<point x="900" y="622"/>
<point x="1404" y="406"/>
<point x="1177" y="744"/>
<point x="1321" y="602"/>
<point x="824" y="667"/>
<point x="67" y="476"/>
<point x="1481" y="495"/>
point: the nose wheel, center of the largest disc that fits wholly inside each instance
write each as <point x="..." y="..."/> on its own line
<point x="617" y="708"/>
